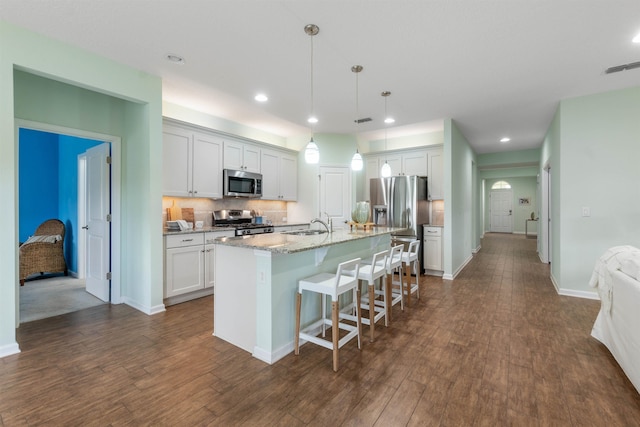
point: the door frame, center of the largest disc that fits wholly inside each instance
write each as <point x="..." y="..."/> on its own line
<point x="116" y="194"/>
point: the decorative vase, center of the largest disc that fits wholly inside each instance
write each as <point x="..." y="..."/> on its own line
<point x="361" y="213"/>
<point x="533" y="216"/>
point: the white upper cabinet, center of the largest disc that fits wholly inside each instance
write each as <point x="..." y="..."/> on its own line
<point x="415" y="163"/>
<point x="279" y="175"/>
<point x="192" y="163"/>
<point x="422" y="162"/>
<point x="241" y="156"/>
<point x="436" y="175"/>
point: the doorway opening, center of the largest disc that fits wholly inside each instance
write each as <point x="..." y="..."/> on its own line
<point x="501" y="208"/>
<point x="54" y="181"/>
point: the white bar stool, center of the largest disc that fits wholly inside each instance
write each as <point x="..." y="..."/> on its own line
<point x="333" y="285"/>
<point x="411" y="263"/>
<point x="396" y="287"/>
<point x="371" y="272"/>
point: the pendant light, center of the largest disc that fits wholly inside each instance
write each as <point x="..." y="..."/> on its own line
<point x="312" y="153"/>
<point x="356" y="160"/>
<point x="385" y="171"/>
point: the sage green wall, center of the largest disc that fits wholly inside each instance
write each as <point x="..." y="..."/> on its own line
<point x="115" y="100"/>
<point x="335" y="150"/>
<point x="509" y="159"/>
<point x="460" y="213"/>
<point x="520" y="187"/>
<point x="599" y="145"/>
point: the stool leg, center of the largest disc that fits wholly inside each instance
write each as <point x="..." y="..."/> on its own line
<point x="387" y="298"/>
<point x="372" y="311"/>
<point x="335" y="332"/>
<point x="296" y="338"/>
<point x="407" y="274"/>
<point x="359" y="322"/>
<point x="417" y="267"/>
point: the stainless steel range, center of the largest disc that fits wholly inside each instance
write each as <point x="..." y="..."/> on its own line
<point x="241" y="220"/>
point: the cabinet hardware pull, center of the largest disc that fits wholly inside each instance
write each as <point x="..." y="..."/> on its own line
<point x="187" y="240"/>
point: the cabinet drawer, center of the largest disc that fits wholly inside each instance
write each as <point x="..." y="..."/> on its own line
<point x="210" y="236"/>
<point x="433" y="231"/>
<point x="181" y="240"/>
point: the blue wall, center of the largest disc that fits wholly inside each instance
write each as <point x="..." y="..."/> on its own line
<point x="48" y="182"/>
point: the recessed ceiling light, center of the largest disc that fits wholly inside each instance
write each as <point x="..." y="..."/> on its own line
<point x="312" y="119"/>
<point x="636" y="39"/>
<point x="505" y="139"/>
<point x="261" y="97"/>
<point x="389" y="120"/>
<point x="176" y="59"/>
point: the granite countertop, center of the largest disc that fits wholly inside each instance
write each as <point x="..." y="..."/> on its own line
<point x="290" y="243"/>
<point x="167" y="232"/>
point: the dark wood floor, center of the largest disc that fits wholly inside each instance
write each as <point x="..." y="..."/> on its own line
<point x="497" y="346"/>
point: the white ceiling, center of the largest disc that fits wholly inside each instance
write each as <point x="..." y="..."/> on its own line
<point x="496" y="67"/>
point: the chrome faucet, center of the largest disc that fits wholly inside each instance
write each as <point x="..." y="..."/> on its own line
<point x="330" y="222"/>
<point x="321" y="222"/>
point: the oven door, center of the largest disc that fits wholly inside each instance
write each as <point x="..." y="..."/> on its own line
<point x="241" y="184"/>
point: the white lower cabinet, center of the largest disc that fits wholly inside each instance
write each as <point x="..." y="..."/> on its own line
<point x="189" y="265"/>
<point x="432" y="247"/>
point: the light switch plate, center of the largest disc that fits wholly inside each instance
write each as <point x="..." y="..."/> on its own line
<point x="586" y="211"/>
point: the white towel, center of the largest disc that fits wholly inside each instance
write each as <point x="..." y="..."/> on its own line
<point x="609" y="262"/>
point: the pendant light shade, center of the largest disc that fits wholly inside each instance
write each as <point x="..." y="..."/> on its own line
<point x="356" y="162"/>
<point x="385" y="171"/>
<point x="311" y="152"/>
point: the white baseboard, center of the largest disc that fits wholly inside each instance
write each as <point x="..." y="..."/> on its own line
<point x="573" y="292"/>
<point x="188" y="297"/>
<point x="477" y="249"/>
<point x="279" y="353"/>
<point x="464" y="264"/>
<point x="579" y="294"/>
<point x="9" y="349"/>
<point x="145" y="309"/>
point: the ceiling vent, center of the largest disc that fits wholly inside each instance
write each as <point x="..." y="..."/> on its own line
<point x="623" y="67"/>
<point x="366" y="119"/>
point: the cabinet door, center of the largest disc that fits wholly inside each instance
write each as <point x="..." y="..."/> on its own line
<point x="270" y="175"/>
<point x="184" y="270"/>
<point x="233" y="154"/>
<point x="176" y="156"/>
<point x="288" y="178"/>
<point x="371" y="171"/>
<point x="209" y="266"/>
<point x="435" y="176"/>
<point x="207" y="166"/>
<point x="395" y="161"/>
<point x="415" y="163"/>
<point x="251" y="158"/>
<point x="432" y="253"/>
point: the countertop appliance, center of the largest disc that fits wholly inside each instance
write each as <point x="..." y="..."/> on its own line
<point x="241" y="220"/>
<point x="401" y="201"/>
<point x="238" y="183"/>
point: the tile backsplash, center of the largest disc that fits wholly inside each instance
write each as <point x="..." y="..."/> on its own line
<point x="203" y="208"/>
<point x="437" y="212"/>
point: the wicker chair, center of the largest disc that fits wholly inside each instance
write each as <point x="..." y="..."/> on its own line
<point x="42" y="256"/>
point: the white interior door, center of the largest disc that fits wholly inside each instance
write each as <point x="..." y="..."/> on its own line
<point x="501" y="211"/>
<point x="98" y="227"/>
<point x="335" y="195"/>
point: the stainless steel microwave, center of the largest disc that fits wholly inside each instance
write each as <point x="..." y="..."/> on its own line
<point x="237" y="183"/>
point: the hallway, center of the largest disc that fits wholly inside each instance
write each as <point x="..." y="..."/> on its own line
<point x="497" y="346"/>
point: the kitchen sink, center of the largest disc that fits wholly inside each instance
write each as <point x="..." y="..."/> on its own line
<point x="305" y="232"/>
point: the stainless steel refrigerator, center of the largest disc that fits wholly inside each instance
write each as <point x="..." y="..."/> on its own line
<point x="403" y="202"/>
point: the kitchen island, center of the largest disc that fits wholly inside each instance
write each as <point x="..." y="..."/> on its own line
<point x="257" y="278"/>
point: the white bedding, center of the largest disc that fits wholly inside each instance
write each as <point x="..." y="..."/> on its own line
<point x="618" y="328"/>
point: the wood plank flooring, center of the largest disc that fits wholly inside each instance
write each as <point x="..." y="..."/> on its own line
<point x="497" y="346"/>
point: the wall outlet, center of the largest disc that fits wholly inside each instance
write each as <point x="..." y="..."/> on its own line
<point x="586" y="211"/>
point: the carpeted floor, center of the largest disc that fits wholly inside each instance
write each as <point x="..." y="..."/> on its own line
<point x="53" y="295"/>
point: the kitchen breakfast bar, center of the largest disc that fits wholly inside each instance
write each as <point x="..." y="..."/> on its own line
<point x="256" y="279"/>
